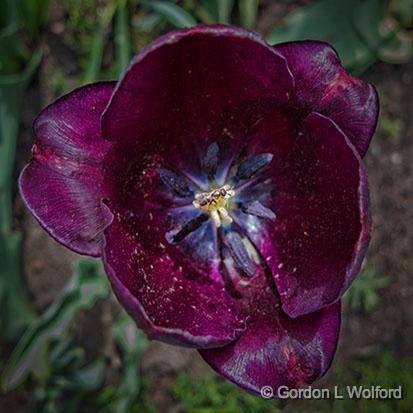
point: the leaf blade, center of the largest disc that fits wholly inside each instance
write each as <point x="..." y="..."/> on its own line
<point x="248" y="11"/>
<point x="173" y="13"/>
<point x="84" y="288"/>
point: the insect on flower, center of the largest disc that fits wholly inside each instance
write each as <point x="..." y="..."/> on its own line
<point x="215" y="202"/>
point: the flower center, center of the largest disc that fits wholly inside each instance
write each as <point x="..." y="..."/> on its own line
<point x="215" y="203"/>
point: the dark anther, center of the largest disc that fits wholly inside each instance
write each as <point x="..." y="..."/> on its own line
<point x="252" y="165"/>
<point x="211" y="160"/>
<point x="174" y="182"/>
<point x="239" y="253"/>
<point x="259" y="210"/>
<point x="175" y="236"/>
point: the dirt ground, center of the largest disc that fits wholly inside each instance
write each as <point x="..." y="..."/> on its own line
<point x="47" y="265"/>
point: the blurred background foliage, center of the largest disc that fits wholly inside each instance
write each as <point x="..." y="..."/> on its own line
<point x="45" y="357"/>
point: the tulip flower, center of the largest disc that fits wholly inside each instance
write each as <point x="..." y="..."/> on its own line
<point x="220" y="181"/>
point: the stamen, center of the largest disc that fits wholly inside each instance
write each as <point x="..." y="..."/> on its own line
<point x="259" y="210"/>
<point x="211" y="159"/>
<point x="252" y="165"/>
<point x="215" y="218"/>
<point x="175" y="236"/>
<point x="224" y="215"/>
<point x="174" y="182"/>
<point x="239" y="253"/>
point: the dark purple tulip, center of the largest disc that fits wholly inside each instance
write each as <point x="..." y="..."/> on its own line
<point x="221" y="182"/>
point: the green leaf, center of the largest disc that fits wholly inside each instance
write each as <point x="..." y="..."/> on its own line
<point x="363" y="295"/>
<point x="72" y="358"/>
<point x="92" y="71"/>
<point x="403" y="11"/>
<point x="12" y="87"/>
<point x="209" y="393"/>
<point x="122" y="37"/>
<point x="224" y="8"/>
<point x="147" y="24"/>
<point x="9" y="14"/>
<point x="85" y="287"/>
<point x="16" y="311"/>
<point x="34" y="13"/>
<point x="396" y="50"/>
<point x="90" y="377"/>
<point x="369" y="18"/>
<point x="14" y="55"/>
<point x="173" y="13"/>
<point x="131" y="342"/>
<point x="207" y="11"/>
<point x="63" y="379"/>
<point x="248" y="10"/>
<point x="58" y="350"/>
<point x="17" y="68"/>
<point x="330" y="21"/>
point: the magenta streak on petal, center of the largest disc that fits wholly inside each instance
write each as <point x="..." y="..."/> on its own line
<point x="62" y="185"/>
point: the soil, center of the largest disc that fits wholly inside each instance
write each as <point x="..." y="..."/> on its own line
<point x="389" y="167"/>
<point x="47" y="264"/>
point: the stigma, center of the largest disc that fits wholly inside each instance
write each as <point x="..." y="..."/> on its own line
<point x="215" y="203"/>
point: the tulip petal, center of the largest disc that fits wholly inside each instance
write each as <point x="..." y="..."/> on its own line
<point x="62" y="184"/>
<point x="192" y="80"/>
<point x="172" y="297"/>
<point x="322" y="85"/>
<point x="317" y="188"/>
<point x="276" y="350"/>
<point x="172" y="288"/>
